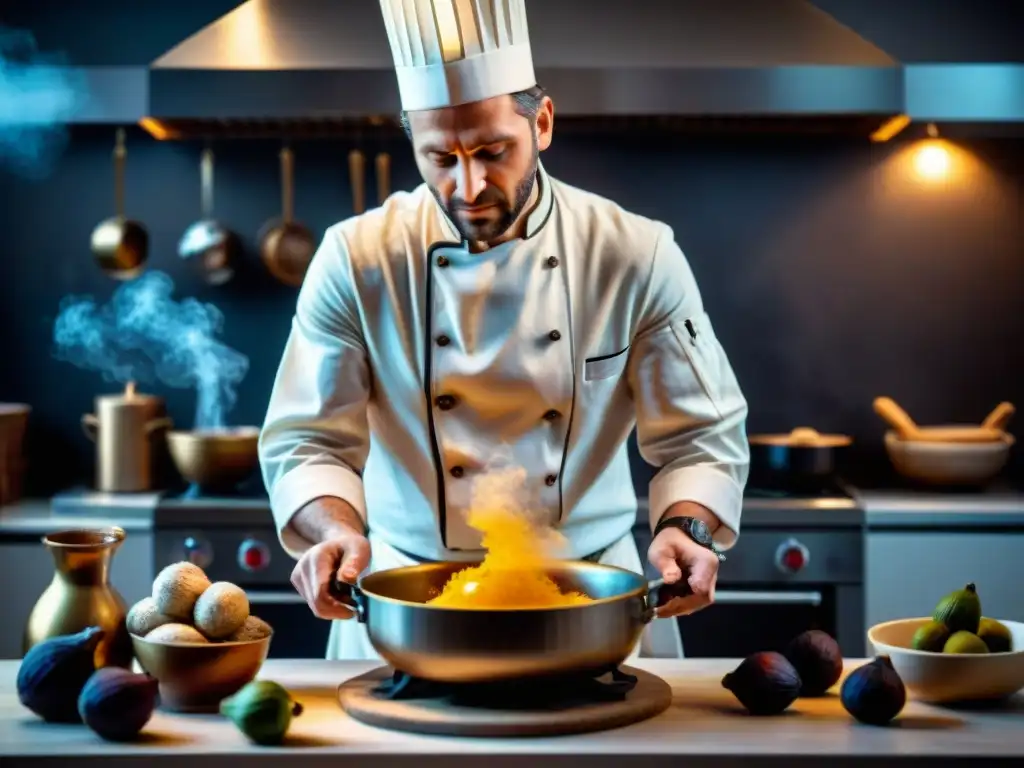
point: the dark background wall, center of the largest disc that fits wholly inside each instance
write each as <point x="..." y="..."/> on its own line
<point x="831" y="274"/>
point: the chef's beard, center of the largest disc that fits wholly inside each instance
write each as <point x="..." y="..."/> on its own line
<point x="488" y="230"/>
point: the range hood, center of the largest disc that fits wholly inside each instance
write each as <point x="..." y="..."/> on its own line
<point x="326" y="61"/>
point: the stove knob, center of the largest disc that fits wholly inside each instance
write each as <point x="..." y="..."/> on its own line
<point x="253" y="555"/>
<point x="791" y="556"/>
<point x="197" y="551"/>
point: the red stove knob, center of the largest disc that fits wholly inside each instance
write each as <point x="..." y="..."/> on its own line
<point x="791" y="556"/>
<point x="253" y="555"/>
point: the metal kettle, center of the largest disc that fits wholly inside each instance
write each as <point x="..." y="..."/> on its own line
<point x="129" y="430"/>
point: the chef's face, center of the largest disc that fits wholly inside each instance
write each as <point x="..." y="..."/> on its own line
<point x="480" y="161"/>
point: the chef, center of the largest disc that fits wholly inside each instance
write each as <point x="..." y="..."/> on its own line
<point x="495" y="311"/>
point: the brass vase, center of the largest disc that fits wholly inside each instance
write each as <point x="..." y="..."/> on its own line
<point x="81" y="595"/>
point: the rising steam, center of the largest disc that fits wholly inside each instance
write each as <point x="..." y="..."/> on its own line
<point x="38" y="96"/>
<point x="142" y="334"/>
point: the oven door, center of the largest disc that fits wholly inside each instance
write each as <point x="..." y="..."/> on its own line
<point x="298" y="634"/>
<point x="748" y="618"/>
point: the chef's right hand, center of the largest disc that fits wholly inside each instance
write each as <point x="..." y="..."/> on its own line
<point x="344" y="555"/>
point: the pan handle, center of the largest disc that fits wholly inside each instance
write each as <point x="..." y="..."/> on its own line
<point x="659" y="593"/>
<point x="349" y="595"/>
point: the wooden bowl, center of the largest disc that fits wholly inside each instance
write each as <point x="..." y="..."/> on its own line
<point x="196" y="677"/>
<point x="948" y="463"/>
<point x="950" y="677"/>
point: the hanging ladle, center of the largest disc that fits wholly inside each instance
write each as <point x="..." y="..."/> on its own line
<point x="119" y="244"/>
<point x="286" y="246"/>
<point x="213" y="247"/>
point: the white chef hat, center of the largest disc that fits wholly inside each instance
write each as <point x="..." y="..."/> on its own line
<point x="450" y="52"/>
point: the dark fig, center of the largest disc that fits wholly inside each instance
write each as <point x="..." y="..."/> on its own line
<point x="116" y="703"/>
<point x="874" y="693"/>
<point x="765" y="683"/>
<point x="817" y="659"/>
<point x="53" y="673"/>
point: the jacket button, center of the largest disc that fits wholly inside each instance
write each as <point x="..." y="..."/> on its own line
<point x="445" y="402"/>
<point x="550" y="480"/>
<point x="442" y="261"/>
<point x="551" y="415"/>
<point x="443" y="341"/>
<point x="457" y="471"/>
<point x="554" y="335"/>
<point x="552" y="261"/>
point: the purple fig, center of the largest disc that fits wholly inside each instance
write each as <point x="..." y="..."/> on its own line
<point x="116" y="703"/>
<point x="874" y="693"/>
<point x="53" y="673"/>
<point x="817" y="659"/>
<point x="765" y="683"/>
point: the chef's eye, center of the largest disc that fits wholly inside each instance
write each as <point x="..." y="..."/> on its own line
<point x="442" y="161"/>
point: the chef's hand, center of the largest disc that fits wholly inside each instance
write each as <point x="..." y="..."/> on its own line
<point x="342" y="552"/>
<point x="678" y="557"/>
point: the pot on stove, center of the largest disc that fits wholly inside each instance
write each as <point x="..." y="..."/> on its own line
<point x="129" y="431"/>
<point x="803" y="459"/>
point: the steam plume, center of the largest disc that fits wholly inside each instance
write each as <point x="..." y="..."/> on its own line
<point x="142" y="334"/>
<point x="38" y="95"/>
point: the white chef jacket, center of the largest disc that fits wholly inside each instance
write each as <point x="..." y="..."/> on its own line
<point x="412" y="363"/>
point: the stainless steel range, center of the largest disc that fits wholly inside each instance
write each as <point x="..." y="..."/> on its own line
<point x="233" y="538"/>
<point x="798" y="564"/>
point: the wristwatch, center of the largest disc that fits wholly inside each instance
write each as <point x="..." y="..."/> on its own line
<point x="694" y="528"/>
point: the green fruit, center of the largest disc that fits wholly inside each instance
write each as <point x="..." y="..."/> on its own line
<point x="262" y="710"/>
<point x="930" y="637"/>
<point x="996" y="636"/>
<point x="964" y="642"/>
<point x="960" y="610"/>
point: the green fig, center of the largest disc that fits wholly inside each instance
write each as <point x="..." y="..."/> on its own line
<point x="960" y="610"/>
<point x="996" y="636"/>
<point x="930" y="637"/>
<point x="262" y="710"/>
<point x="964" y="642"/>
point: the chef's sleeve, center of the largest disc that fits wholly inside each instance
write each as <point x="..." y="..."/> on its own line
<point x="315" y="436"/>
<point x="691" y="412"/>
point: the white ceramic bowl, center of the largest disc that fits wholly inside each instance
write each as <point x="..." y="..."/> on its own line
<point x="950" y="677"/>
<point x="948" y="463"/>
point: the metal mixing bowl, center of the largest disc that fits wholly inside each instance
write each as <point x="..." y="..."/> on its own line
<point x="196" y="677"/>
<point x="476" y="645"/>
<point x="215" y="458"/>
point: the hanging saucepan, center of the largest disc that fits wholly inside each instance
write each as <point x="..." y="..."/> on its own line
<point x="800" y="460"/>
<point x="286" y="246"/>
<point x="119" y="244"/>
<point x="214" y="248"/>
<point x="481" y="645"/>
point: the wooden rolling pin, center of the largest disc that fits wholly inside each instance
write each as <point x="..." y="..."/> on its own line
<point x="907" y="430"/>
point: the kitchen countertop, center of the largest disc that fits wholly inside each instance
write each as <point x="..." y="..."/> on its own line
<point x="702" y="728"/>
<point x="997" y="507"/>
<point x="874" y="508"/>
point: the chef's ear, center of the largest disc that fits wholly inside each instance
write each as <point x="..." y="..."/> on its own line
<point x="545" y="122"/>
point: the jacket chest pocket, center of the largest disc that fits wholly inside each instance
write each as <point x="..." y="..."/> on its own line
<point x="605" y="366"/>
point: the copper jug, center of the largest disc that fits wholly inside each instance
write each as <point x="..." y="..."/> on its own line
<point x="130" y="434"/>
<point x="81" y="595"/>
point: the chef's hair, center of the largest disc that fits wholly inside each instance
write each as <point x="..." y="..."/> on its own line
<point x="527" y="104"/>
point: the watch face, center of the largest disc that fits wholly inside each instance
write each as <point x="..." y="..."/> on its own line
<point x="700" y="532"/>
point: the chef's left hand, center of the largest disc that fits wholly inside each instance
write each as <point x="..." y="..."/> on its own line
<point x="678" y="557"/>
